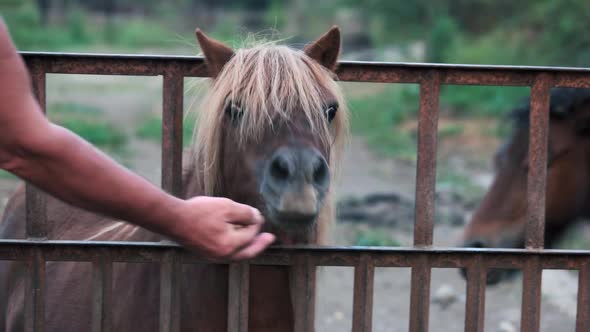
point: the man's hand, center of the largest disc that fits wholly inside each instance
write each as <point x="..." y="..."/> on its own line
<point x="221" y="228"/>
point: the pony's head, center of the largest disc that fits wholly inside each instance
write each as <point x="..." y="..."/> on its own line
<point x="271" y="129"/>
<point x="500" y="218"/>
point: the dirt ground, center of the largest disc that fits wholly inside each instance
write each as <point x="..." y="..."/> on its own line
<point x="126" y="100"/>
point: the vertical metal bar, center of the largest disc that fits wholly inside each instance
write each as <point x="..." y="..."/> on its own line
<point x="35" y="293"/>
<point x="36" y="217"/>
<point x="304" y="275"/>
<point x="364" y="275"/>
<point x="476" y="296"/>
<point x="170" y="294"/>
<point x="420" y="295"/>
<point x="172" y="132"/>
<point x="38" y="79"/>
<point x="425" y="191"/>
<point x="102" y="285"/>
<point x="239" y="286"/>
<point x="172" y="109"/>
<point x="583" y="315"/>
<point x="531" y="295"/>
<point x="426" y="168"/>
<point x="538" y="131"/>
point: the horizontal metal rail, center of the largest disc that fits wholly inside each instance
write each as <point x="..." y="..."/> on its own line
<point x="357" y="71"/>
<point x="147" y="252"/>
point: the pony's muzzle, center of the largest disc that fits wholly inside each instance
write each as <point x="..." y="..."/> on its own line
<point x="295" y="182"/>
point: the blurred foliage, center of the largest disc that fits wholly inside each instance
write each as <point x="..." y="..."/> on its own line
<point x="449" y="179"/>
<point x="24" y="23"/>
<point x="7" y="175"/>
<point x="79" y="30"/>
<point x="442" y="40"/>
<point x="276" y="16"/>
<point x="151" y="128"/>
<point x="379" y="118"/>
<point x="376" y="238"/>
<point x="136" y="33"/>
<point x="88" y="123"/>
<point x="481" y="100"/>
<point x="528" y="32"/>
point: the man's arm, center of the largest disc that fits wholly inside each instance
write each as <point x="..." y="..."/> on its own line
<point x="64" y="165"/>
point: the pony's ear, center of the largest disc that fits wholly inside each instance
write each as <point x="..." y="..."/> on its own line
<point x="326" y="49"/>
<point x="216" y="53"/>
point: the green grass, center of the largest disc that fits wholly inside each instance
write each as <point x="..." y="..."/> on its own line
<point x="481" y="100"/>
<point x="7" y="175"/>
<point x="87" y="122"/>
<point x="450" y="131"/>
<point x="378" y="117"/>
<point x="574" y="238"/>
<point x="138" y="33"/>
<point x="375" y="238"/>
<point x="151" y="129"/>
<point x="459" y="183"/>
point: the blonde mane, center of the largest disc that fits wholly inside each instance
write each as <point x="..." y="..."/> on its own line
<point x="268" y="83"/>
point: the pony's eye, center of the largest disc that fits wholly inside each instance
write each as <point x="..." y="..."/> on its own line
<point x="330" y="112"/>
<point x="233" y="112"/>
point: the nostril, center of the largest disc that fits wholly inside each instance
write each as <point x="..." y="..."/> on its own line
<point x="279" y="168"/>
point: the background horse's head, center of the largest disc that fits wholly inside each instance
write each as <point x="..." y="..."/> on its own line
<point x="499" y="220"/>
<point x="270" y="129"/>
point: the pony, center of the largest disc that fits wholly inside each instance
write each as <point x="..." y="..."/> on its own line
<point x="269" y="134"/>
<point x="499" y="220"/>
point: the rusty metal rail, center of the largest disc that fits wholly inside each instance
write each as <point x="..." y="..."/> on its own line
<point x="37" y="249"/>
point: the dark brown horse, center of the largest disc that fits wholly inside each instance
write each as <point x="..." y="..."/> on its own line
<point x="499" y="220"/>
<point x="268" y="135"/>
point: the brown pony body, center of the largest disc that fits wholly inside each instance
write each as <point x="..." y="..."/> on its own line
<point x="499" y="220"/>
<point x="268" y="135"/>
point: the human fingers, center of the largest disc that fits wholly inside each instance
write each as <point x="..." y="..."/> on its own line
<point x="242" y="214"/>
<point x="242" y="235"/>
<point x="233" y="241"/>
<point x="261" y="242"/>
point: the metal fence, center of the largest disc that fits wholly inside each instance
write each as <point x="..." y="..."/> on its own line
<point x="421" y="258"/>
